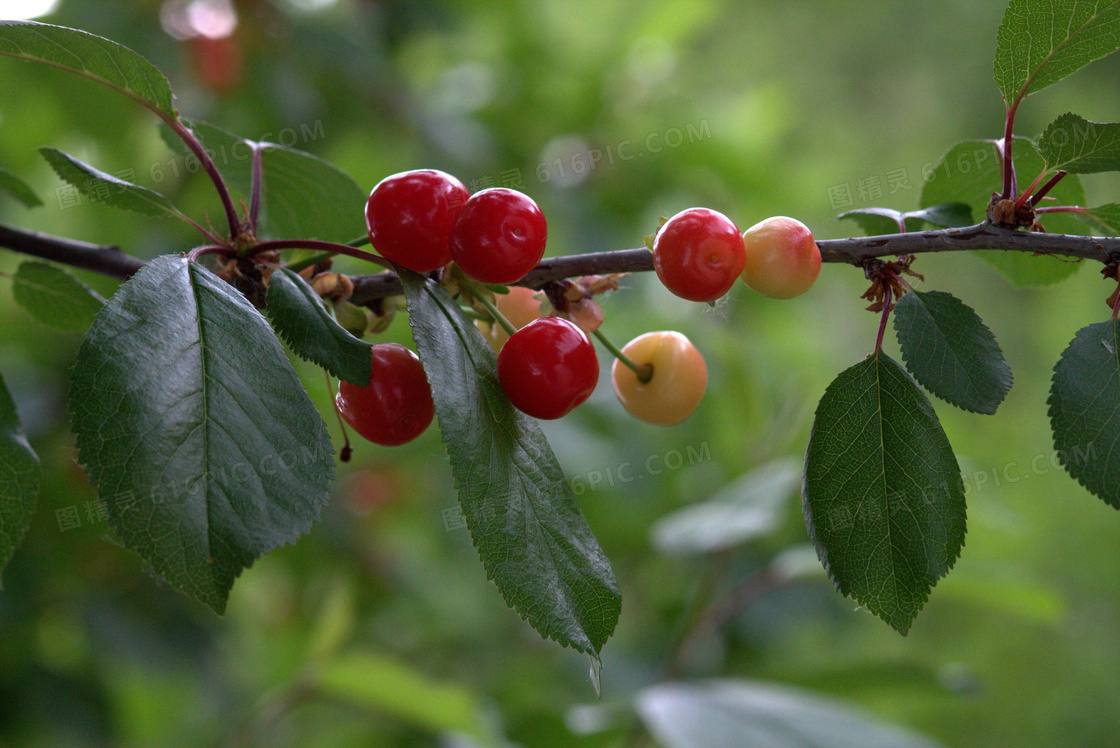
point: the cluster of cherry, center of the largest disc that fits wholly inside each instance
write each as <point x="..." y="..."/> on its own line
<point x="426" y="219"/>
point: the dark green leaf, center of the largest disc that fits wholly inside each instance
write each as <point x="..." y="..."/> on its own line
<point x="970" y="172"/>
<point x="1105" y="216"/>
<point x="302" y="196"/>
<point x="302" y="319"/>
<point x="534" y="543"/>
<point x="105" y="188"/>
<point x="1085" y="409"/>
<point x="195" y="429"/>
<point x="722" y="713"/>
<point x="882" y="495"/>
<point x="748" y="508"/>
<point x="1078" y="146"/>
<point x="18" y="189"/>
<point x="55" y="297"/>
<point x="949" y="349"/>
<point x="91" y="57"/>
<point x="1038" y="44"/>
<point x="20" y="476"/>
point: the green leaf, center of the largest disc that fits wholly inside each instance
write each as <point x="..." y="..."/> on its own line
<point x="382" y="685"/>
<point x="105" y="188"/>
<point x="945" y="215"/>
<point x="302" y="319"/>
<point x="748" y="508"/>
<point x="970" y="172"/>
<point x="722" y="712"/>
<point x="1105" y="216"/>
<point x="195" y="429"/>
<point x="1038" y="44"/>
<point x="1078" y="146"/>
<point x="882" y="495"/>
<point x="20" y="477"/>
<point x="302" y="196"/>
<point x="18" y="189"/>
<point x="950" y="351"/>
<point x="55" y="297"/>
<point x="875" y="221"/>
<point x="534" y="543"/>
<point x="92" y="57"/>
<point x="878" y="221"/>
<point x="1085" y="409"/>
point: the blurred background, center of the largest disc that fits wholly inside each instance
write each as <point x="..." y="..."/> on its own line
<point x="379" y="627"/>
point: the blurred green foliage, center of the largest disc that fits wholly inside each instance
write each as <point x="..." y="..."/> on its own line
<point x="609" y="114"/>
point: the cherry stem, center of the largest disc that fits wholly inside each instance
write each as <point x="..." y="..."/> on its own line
<point x="344" y="453"/>
<point x="214" y="249"/>
<point x="1026" y="196"/>
<point x="211" y="170"/>
<point x="295" y="267"/>
<point x="644" y="371"/>
<point x="883" y="320"/>
<point x="489" y="306"/>
<point x="1009" y="185"/>
<point x="1047" y="187"/>
<point x="255" y="195"/>
<point x="332" y="248"/>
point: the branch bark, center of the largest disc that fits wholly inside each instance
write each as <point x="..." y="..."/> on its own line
<point x="853" y="251"/>
<point x="99" y="258"/>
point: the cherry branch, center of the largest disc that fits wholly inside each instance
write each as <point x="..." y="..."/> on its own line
<point x="853" y="251"/>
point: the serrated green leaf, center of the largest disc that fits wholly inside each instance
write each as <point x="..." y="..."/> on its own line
<point x="721" y="713"/>
<point x="302" y="196"/>
<point x="91" y="57"/>
<point x="195" y="429"/>
<point x="1078" y="146"/>
<point x="747" y="508"/>
<point x="533" y="541"/>
<point x="882" y="495"/>
<point x="1105" y="216"/>
<point x="1038" y="44"/>
<point x="382" y="685"/>
<point x="302" y="319"/>
<point x="105" y="188"/>
<point x="950" y="351"/>
<point x="970" y="172"/>
<point x="18" y="189"/>
<point x="1085" y="409"/>
<point x="55" y="297"/>
<point x="20" y="478"/>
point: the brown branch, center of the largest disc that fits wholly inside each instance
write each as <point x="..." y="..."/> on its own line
<point x="96" y="257"/>
<point x="854" y="251"/>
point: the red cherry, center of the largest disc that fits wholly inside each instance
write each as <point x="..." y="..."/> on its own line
<point x="409" y="217"/>
<point x="499" y="236"/>
<point x="698" y="254"/>
<point x="548" y="367"/>
<point x="397" y="405"/>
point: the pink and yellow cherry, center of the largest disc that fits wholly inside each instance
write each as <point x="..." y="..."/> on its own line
<point x="783" y="261"/>
<point x="679" y="379"/>
<point x="397" y="405"/>
<point x="698" y="254"/>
